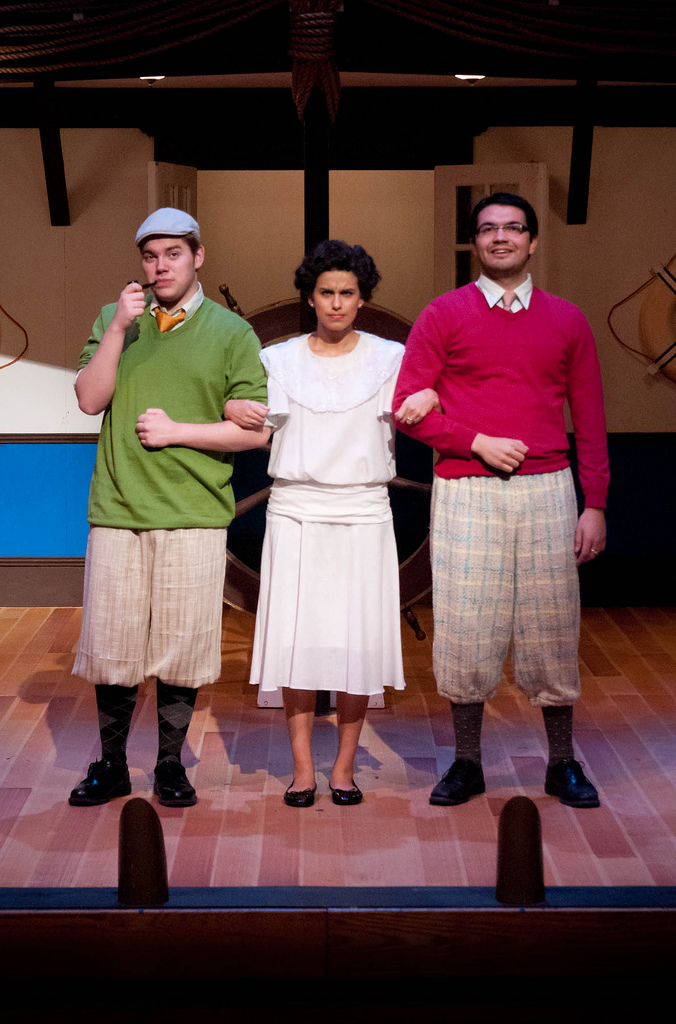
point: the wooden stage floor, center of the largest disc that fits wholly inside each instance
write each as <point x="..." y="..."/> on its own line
<point x="241" y="834"/>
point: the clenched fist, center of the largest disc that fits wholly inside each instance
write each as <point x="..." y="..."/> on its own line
<point x="156" y="430"/>
<point x="504" y="453"/>
<point x="131" y="303"/>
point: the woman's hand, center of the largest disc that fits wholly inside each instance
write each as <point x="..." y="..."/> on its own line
<point x="417" y="406"/>
<point x="246" y="413"/>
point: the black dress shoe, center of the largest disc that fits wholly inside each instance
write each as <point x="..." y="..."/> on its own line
<point x="172" y="788"/>
<point x="105" y="780"/>
<point x="566" y="780"/>
<point x="345" y="797"/>
<point x="463" y="780"/>
<point x="300" y="797"/>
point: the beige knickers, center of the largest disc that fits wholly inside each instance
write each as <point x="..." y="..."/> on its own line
<point x="153" y="603"/>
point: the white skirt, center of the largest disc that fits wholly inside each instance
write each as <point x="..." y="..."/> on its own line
<point x="328" y="610"/>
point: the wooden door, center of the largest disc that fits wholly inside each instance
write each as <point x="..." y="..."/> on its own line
<point x="457" y="188"/>
<point x="172" y="185"/>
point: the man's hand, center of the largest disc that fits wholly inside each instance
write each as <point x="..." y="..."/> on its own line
<point x="131" y="304"/>
<point x="246" y="413"/>
<point x="156" y="430"/>
<point x="417" y="406"/>
<point x="96" y="382"/>
<point x="502" y="453"/>
<point x="590" y="535"/>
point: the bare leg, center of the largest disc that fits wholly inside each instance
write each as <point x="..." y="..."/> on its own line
<point x="351" y="710"/>
<point x="299" y="707"/>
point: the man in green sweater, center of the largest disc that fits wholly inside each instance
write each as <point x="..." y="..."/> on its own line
<point x="160" y="499"/>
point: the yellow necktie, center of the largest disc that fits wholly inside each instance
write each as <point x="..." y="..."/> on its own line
<point x="165" y="321"/>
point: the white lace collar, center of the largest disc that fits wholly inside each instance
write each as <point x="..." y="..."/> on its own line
<point x="332" y="383"/>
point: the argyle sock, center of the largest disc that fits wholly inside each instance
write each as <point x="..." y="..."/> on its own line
<point x="174" y="711"/>
<point x="467" y="719"/>
<point x="559" y="728"/>
<point x="115" y="705"/>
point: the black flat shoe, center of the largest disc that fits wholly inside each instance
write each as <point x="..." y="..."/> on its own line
<point x="105" y="780"/>
<point x="172" y="788"/>
<point x="566" y="780"/>
<point x="300" y="797"/>
<point x="345" y="797"/>
<point x="464" y="779"/>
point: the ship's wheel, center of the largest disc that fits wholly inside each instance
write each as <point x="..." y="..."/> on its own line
<point x="409" y="491"/>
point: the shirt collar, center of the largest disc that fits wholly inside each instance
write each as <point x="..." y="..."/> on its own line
<point x="493" y="292"/>
<point x="189" y="308"/>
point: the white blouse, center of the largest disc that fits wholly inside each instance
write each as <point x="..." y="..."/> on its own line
<point x="333" y="446"/>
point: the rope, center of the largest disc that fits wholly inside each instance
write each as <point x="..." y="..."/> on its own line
<point x="646" y="28"/>
<point x="547" y="31"/>
<point x="161" y="15"/>
<point x="623" y="302"/>
<point x="313" y="25"/>
<point x="3" y="366"/>
<point x="79" y="35"/>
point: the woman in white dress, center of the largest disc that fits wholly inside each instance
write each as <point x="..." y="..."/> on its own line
<point x="328" y="611"/>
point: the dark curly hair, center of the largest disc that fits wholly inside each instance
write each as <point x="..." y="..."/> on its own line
<point x="335" y="255"/>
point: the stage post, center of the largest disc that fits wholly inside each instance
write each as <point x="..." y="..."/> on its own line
<point x="142" y="865"/>
<point x="520" y="875"/>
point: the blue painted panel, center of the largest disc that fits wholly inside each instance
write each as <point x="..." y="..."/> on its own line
<point x="43" y="505"/>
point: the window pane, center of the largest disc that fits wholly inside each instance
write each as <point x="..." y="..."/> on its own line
<point x="463" y="268"/>
<point x="464" y="208"/>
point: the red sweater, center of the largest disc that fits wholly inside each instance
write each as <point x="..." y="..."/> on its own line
<point x="506" y="375"/>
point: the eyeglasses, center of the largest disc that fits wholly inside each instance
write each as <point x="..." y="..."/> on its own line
<point x="513" y="229"/>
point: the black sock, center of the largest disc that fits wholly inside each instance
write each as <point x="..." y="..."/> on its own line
<point x="467" y="719"/>
<point x="115" y="705"/>
<point x="174" y="711"/>
<point x="559" y="728"/>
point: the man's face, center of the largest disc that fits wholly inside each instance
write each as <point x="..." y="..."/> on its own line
<point x="171" y="264"/>
<point x="503" y="252"/>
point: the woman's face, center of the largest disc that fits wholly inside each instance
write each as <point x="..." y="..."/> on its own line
<point x="336" y="300"/>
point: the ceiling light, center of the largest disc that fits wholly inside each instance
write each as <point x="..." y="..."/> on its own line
<point x="151" y="78"/>
<point x="470" y="78"/>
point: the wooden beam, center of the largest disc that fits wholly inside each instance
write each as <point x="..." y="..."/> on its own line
<point x="289" y="944"/>
<point x="52" y="153"/>
<point x="316" y="169"/>
<point x="581" y="152"/>
<point x="316" y="207"/>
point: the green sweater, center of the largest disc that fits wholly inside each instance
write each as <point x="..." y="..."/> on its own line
<point x="190" y="373"/>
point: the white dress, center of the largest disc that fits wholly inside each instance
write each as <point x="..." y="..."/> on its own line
<point x="328" y="610"/>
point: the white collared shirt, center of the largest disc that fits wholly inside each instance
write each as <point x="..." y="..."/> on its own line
<point x="190" y="307"/>
<point x="493" y="293"/>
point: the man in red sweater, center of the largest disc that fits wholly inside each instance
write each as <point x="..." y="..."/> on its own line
<point x="506" y="539"/>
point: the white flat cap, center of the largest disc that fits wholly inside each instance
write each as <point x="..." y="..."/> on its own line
<point x="167" y="223"/>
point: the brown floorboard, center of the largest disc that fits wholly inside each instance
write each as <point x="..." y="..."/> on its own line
<point x="241" y="834"/>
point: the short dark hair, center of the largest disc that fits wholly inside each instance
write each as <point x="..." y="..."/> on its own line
<point x="336" y="255"/>
<point x="504" y="199"/>
<point x="191" y="240"/>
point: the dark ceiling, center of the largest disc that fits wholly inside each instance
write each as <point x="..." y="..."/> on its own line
<point x="629" y="44"/>
<point x="618" y="40"/>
